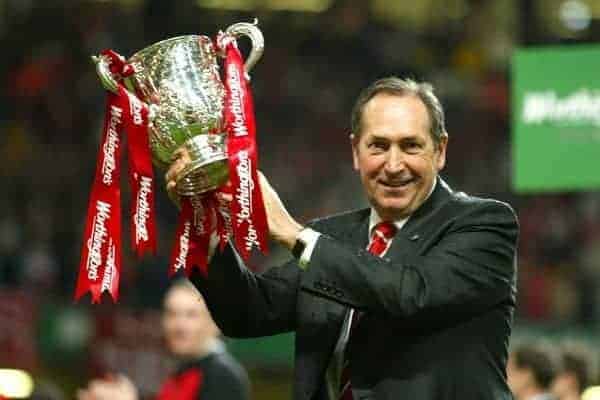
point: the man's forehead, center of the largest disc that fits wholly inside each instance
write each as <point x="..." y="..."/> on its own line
<point x="386" y="112"/>
<point x="182" y="294"/>
<point x="395" y="100"/>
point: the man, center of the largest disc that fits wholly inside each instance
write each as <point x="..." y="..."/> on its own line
<point x="531" y="369"/>
<point x="574" y="373"/>
<point x="206" y="371"/>
<point x="411" y="298"/>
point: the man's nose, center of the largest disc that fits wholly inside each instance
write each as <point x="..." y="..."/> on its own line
<point x="395" y="162"/>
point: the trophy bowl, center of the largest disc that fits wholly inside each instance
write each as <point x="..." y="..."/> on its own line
<point x="179" y="80"/>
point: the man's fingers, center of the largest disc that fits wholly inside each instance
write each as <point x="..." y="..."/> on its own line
<point x="179" y="160"/>
<point x="83" y="394"/>
<point x="180" y="153"/>
<point x="172" y="193"/>
<point x="175" y="169"/>
<point x="225" y="197"/>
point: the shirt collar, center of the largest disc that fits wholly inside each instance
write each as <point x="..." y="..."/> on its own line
<point x="542" y="396"/>
<point x="374" y="217"/>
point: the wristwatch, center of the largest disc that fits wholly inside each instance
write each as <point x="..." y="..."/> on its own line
<point x="298" y="248"/>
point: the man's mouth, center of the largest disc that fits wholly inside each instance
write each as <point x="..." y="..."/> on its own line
<point x="397" y="183"/>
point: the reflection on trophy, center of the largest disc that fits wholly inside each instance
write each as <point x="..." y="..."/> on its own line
<point x="179" y="80"/>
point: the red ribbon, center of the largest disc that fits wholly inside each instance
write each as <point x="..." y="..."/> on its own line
<point x="100" y="265"/>
<point x="194" y="229"/>
<point x="245" y="219"/>
<point x="141" y="179"/>
<point x="248" y="217"/>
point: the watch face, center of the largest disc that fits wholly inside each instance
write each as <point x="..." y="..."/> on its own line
<point x="298" y="248"/>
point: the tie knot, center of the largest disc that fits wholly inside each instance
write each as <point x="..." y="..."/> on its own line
<point x="387" y="230"/>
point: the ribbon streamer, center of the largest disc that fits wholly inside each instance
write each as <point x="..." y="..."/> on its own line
<point x="100" y="265"/>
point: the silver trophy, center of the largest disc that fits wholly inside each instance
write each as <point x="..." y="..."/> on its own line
<point x="179" y="80"/>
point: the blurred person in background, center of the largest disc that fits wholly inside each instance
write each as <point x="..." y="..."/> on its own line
<point x="531" y="369"/>
<point x="206" y="371"/>
<point x="575" y="372"/>
<point x="410" y="298"/>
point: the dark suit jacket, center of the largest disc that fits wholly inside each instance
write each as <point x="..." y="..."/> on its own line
<point x="437" y="308"/>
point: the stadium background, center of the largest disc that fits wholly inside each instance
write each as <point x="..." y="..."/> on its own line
<point x="318" y="55"/>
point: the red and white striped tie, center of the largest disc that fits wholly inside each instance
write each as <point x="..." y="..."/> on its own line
<point x="381" y="239"/>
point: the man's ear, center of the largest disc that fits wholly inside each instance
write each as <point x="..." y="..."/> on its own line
<point x="354" y="140"/>
<point x="441" y="150"/>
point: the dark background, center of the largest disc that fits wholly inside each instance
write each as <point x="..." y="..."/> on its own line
<point x="318" y="55"/>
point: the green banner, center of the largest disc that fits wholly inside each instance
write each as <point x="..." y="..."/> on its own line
<point x="556" y="119"/>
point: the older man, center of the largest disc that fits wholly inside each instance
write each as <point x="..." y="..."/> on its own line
<point x="409" y="298"/>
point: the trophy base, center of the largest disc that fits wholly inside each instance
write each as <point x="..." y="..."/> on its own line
<point x="209" y="168"/>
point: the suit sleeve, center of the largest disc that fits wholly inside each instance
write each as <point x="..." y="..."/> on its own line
<point x="245" y="304"/>
<point x="229" y="382"/>
<point x="226" y="387"/>
<point x="471" y="268"/>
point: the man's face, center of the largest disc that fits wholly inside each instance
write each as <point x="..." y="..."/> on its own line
<point x="518" y="379"/>
<point x="187" y="323"/>
<point x="565" y="385"/>
<point x="395" y="154"/>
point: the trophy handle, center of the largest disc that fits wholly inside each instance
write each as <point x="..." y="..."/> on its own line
<point x="256" y="37"/>
<point x="109" y="83"/>
<point x="104" y="73"/>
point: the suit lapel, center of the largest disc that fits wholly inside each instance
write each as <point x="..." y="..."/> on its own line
<point x="357" y="233"/>
<point x="407" y="239"/>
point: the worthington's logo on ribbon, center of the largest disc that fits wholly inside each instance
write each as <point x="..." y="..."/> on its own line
<point x="135" y="107"/>
<point x="142" y="210"/>
<point x="237" y="102"/>
<point x="111" y="145"/>
<point x="184" y="247"/>
<point x="111" y="267"/>
<point x="96" y="241"/>
<point x="244" y="198"/>
<point x="580" y="108"/>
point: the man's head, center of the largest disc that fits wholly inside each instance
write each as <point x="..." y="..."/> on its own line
<point x="530" y="370"/>
<point x="187" y="324"/>
<point x="575" y="372"/>
<point x="398" y="144"/>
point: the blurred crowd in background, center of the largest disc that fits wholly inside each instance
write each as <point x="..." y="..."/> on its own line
<point x="315" y="63"/>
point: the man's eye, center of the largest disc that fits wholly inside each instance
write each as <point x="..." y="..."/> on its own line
<point x="378" y="146"/>
<point x="412" y="147"/>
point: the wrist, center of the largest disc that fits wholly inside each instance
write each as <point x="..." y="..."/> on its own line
<point x="289" y="240"/>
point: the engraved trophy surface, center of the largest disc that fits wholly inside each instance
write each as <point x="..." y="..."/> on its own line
<point x="179" y="80"/>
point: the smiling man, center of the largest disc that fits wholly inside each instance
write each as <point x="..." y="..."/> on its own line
<point x="410" y="298"/>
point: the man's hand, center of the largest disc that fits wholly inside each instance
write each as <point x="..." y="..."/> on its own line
<point x="181" y="159"/>
<point x="113" y="388"/>
<point x="282" y="227"/>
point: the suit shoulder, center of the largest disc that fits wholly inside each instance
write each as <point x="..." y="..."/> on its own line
<point x="468" y="204"/>
<point x="332" y="223"/>
<point x="225" y="368"/>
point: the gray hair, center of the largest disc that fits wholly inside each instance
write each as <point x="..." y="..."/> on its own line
<point x="402" y="87"/>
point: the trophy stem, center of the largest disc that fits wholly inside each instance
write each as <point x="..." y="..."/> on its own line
<point x="209" y="167"/>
